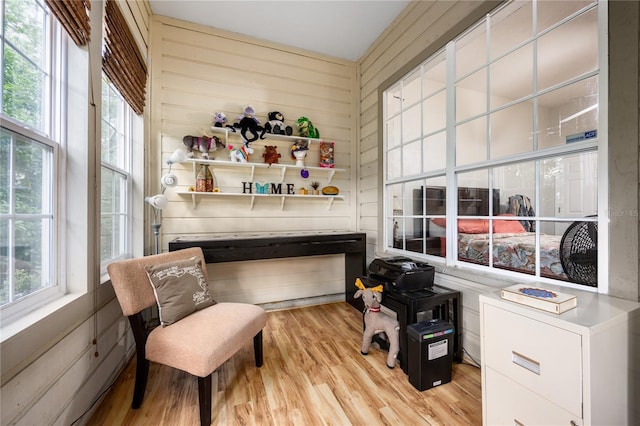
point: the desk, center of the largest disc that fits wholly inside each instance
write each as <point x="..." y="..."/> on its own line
<point x="235" y="247"/>
<point x="442" y="302"/>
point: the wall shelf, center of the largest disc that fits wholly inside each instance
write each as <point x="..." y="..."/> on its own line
<point x="283" y="197"/>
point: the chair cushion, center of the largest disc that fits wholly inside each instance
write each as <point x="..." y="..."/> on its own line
<point x="180" y="289"/>
<point x="204" y="340"/>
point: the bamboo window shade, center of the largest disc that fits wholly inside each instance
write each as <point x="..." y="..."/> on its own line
<point x="122" y="61"/>
<point x="74" y="17"/>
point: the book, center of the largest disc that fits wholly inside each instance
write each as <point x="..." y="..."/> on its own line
<point x="540" y="298"/>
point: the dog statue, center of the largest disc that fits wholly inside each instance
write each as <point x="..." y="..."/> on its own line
<point x="377" y="322"/>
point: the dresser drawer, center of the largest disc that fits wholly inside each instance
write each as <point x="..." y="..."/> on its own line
<point x="509" y="403"/>
<point x="545" y="359"/>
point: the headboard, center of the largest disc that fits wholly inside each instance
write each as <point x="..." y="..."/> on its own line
<point x="471" y="202"/>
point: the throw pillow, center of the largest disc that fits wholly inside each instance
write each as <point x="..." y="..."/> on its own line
<point x="467" y="226"/>
<point x="507" y="226"/>
<point x="180" y="289"/>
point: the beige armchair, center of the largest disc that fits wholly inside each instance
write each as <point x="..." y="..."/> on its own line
<point x="198" y="343"/>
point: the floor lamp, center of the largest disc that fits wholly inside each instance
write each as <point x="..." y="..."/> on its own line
<point x="159" y="201"/>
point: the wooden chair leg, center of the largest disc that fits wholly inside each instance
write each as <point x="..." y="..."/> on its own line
<point x="257" y="348"/>
<point x="204" y="397"/>
<point x="142" y="372"/>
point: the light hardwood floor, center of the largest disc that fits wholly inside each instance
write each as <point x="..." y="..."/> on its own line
<point x="313" y="374"/>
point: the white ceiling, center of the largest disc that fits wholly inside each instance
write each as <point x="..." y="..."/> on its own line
<point x="338" y="28"/>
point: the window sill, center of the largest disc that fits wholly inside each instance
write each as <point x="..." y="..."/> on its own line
<point x="22" y="324"/>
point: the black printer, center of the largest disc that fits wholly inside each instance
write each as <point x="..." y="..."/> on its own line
<point x="401" y="274"/>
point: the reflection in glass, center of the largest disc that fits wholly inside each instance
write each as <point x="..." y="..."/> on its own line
<point x="512" y="76"/>
<point x="510" y="27"/>
<point x="471" y="96"/>
<point x="435" y="74"/>
<point x="467" y="49"/>
<point x="511" y="130"/>
<point x="471" y="141"/>
<point x="568" y="51"/>
<point x="568" y="114"/>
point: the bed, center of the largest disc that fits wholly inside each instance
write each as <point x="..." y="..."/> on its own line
<point x="513" y="246"/>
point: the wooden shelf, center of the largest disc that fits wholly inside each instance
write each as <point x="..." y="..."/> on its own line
<point x="195" y="195"/>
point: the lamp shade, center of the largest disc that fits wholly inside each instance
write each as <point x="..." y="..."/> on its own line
<point x="158" y="201"/>
<point x="169" y="180"/>
<point x="178" y="156"/>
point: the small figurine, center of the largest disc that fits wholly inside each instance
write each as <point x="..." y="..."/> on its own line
<point x="271" y="154"/>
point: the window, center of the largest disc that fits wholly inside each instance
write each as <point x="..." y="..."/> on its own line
<point x="115" y="175"/>
<point x="32" y="60"/>
<point x="498" y="133"/>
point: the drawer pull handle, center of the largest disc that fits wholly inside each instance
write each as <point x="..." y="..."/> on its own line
<point x="517" y="423"/>
<point x="525" y="362"/>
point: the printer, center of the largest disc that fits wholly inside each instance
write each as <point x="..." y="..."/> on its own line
<point x="401" y="274"/>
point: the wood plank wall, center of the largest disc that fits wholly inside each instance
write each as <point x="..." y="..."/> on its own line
<point x="197" y="71"/>
<point x="421" y="29"/>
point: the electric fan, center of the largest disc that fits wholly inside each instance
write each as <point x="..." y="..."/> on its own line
<point x="579" y="253"/>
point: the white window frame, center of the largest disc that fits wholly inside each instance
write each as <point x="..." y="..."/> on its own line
<point x="50" y="135"/>
<point x="451" y="171"/>
<point x="125" y="236"/>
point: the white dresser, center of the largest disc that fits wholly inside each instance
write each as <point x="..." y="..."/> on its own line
<point x="577" y="368"/>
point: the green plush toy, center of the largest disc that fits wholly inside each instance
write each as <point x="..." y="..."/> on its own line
<point x="306" y="128"/>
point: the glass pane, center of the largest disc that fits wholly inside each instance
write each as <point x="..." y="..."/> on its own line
<point x="471" y="96"/>
<point x="512" y="76"/>
<point x="471" y="51"/>
<point x="434" y="113"/>
<point x="411" y="124"/>
<point x="32" y="252"/>
<point x="568" y="51"/>
<point x="32" y="177"/>
<point x="510" y="27"/>
<point x="511" y="131"/>
<point x="471" y="141"/>
<point x="569" y="114"/>
<point x="569" y="186"/>
<point x="25" y="99"/>
<point x="394" y="164"/>
<point x="393" y="132"/>
<point x="473" y="195"/>
<point x="5" y="263"/>
<point x="411" y="89"/>
<point x="412" y="159"/>
<point x="516" y="185"/>
<point x="5" y="170"/>
<point x="552" y="12"/>
<point x="474" y="248"/>
<point x="434" y="149"/>
<point x="436" y="197"/>
<point x="113" y="143"/>
<point x="435" y="75"/>
<point x="25" y="24"/>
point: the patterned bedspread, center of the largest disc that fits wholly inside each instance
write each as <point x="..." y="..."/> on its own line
<point x="514" y="252"/>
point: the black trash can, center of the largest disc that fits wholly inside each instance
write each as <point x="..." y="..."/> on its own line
<point x="430" y="353"/>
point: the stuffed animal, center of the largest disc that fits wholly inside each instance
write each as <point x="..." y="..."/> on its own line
<point x="204" y="144"/>
<point x="239" y="155"/>
<point x="307" y="129"/>
<point x="276" y="126"/>
<point x="219" y="119"/>
<point x="376" y="322"/>
<point x="249" y="126"/>
<point x="271" y="154"/>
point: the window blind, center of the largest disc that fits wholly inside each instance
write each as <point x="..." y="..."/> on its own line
<point x="122" y="61"/>
<point x="74" y="17"/>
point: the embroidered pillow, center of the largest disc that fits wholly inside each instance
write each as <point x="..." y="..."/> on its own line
<point x="180" y="289"/>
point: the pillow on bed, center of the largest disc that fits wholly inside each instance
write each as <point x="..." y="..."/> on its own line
<point x="180" y="289"/>
<point x="507" y="226"/>
<point x="467" y="226"/>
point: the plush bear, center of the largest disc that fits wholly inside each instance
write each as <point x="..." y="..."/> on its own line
<point x="249" y="126"/>
<point x="219" y="119"/>
<point x="271" y="154"/>
<point x="377" y="322"/>
<point x="306" y="128"/>
<point x="276" y="125"/>
<point x="204" y="144"/>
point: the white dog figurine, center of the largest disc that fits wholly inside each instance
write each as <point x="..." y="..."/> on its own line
<point x="376" y="322"/>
